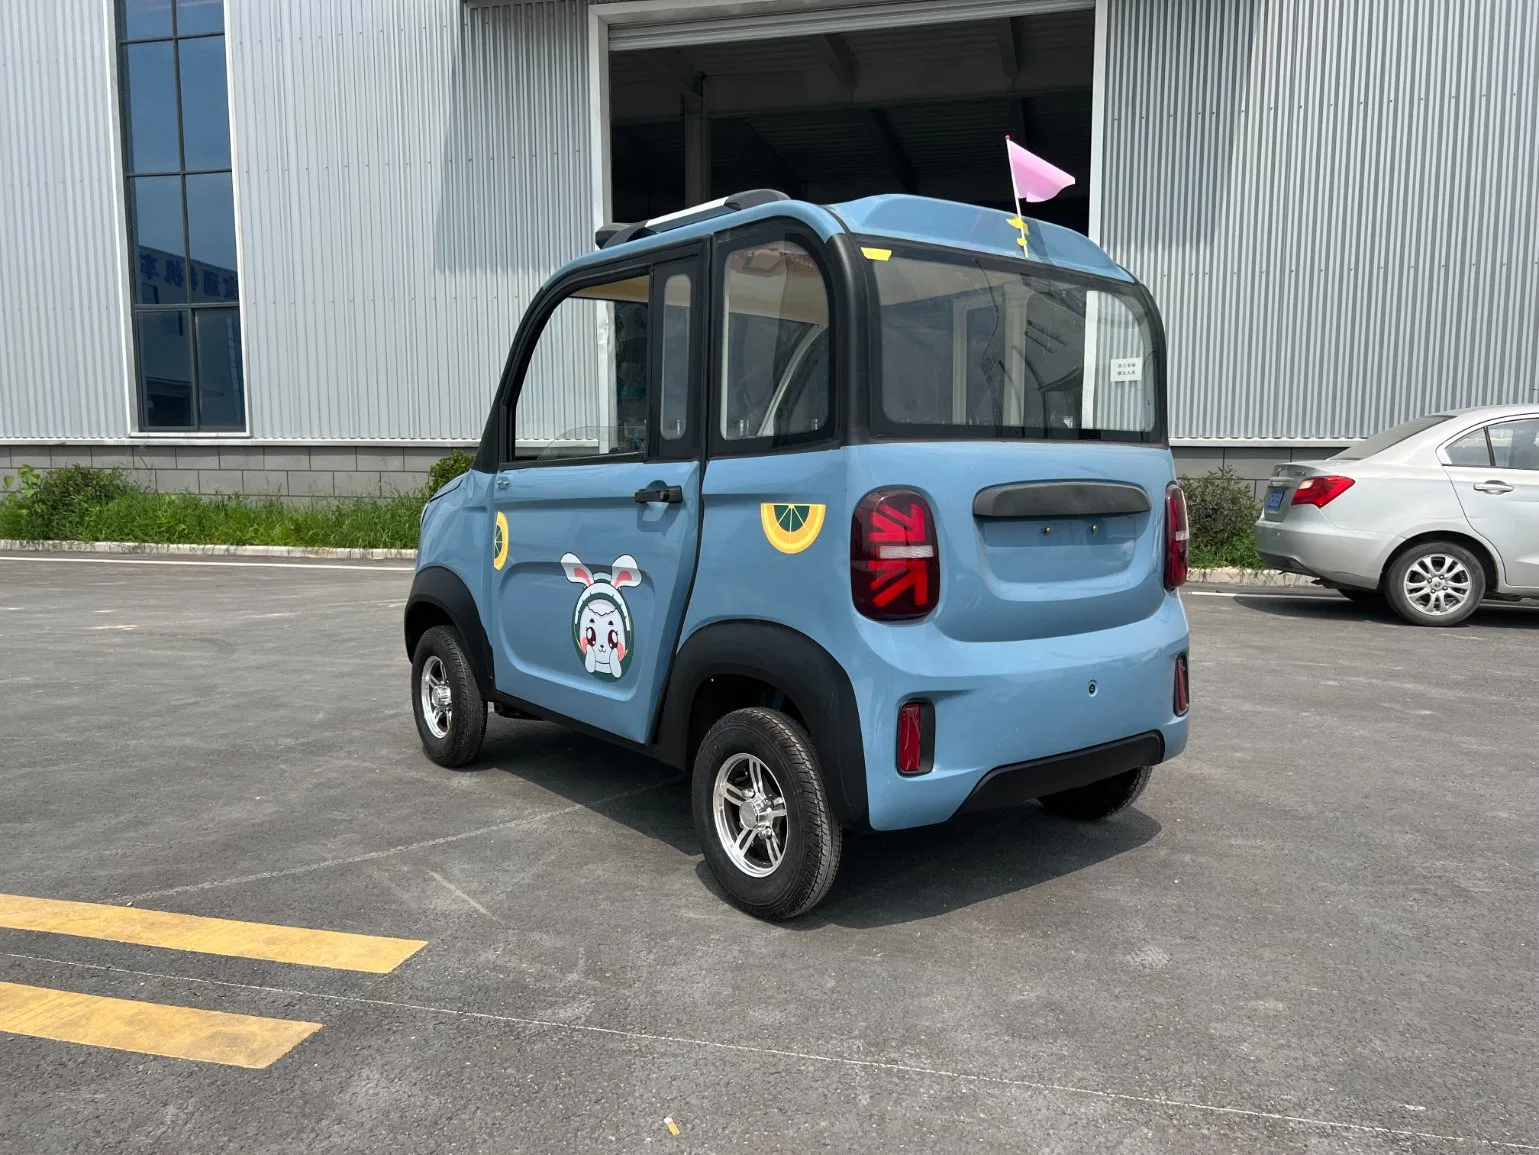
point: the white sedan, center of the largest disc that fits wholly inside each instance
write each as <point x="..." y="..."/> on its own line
<point x="1432" y="515"/>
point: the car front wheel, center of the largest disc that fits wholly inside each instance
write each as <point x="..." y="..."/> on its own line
<point x="1437" y="583"/>
<point x="446" y="702"/>
<point x="761" y="813"/>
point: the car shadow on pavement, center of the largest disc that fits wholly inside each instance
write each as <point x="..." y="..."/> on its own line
<point x="890" y="877"/>
<point x="1324" y="608"/>
<point x="644" y="794"/>
<point x="884" y="877"/>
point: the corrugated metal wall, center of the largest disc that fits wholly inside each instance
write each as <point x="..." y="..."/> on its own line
<point x="408" y="173"/>
<point x="1336" y="206"/>
<point x="62" y="263"/>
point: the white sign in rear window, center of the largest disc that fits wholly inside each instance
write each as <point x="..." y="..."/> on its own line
<point x="1127" y="369"/>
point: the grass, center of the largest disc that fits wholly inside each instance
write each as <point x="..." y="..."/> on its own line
<point x="79" y="504"/>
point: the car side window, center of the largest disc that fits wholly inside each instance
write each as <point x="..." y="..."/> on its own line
<point x="1515" y="444"/>
<point x="1471" y="449"/>
<point x="776" y="371"/>
<point x="673" y="373"/>
<point x="584" y="389"/>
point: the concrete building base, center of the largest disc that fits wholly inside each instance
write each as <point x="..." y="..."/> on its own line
<point x="365" y="470"/>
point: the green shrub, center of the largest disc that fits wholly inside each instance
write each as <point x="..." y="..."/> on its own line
<point x="446" y="469"/>
<point x="1223" y="512"/>
<point x="51" y="505"/>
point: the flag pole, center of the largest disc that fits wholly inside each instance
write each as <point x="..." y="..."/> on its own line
<point x="1020" y="218"/>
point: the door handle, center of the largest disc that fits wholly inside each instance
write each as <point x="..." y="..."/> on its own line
<point x="502" y="482"/>
<point x="671" y="494"/>
<point x="1493" y="487"/>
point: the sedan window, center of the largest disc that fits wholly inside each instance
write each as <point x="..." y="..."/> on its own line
<point x="1515" y="444"/>
<point x="1391" y="437"/>
<point x="1471" y="449"/>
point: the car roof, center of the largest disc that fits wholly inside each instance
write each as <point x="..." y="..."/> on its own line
<point x="1492" y="412"/>
<point x="898" y="217"/>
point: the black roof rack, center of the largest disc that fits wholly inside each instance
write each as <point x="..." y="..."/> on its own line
<point x="618" y="234"/>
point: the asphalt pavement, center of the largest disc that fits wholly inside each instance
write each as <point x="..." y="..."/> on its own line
<point x="1316" y="931"/>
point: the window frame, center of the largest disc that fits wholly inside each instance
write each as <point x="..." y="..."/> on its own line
<point x="501" y="433"/>
<point x="188" y="307"/>
<point x="832" y="435"/>
<point x="1485" y="436"/>
<point x="879" y="428"/>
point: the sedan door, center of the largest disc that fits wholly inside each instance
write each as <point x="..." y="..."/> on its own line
<point x="1495" y="472"/>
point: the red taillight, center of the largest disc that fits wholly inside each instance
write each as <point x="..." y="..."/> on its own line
<point x="916" y="737"/>
<point x="1178" y="534"/>
<point x="894" y="563"/>
<point x="1183" y="687"/>
<point x="1320" y="491"/>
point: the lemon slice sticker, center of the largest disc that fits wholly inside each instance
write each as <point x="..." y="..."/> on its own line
<point x="790" y="527"/>
<point x="500" y="542"/>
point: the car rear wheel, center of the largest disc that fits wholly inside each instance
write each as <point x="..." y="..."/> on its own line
<point x="446" y="702"/>
<point x="1436" y="583"/>
<point x="1098" y="800"/>
<point x="761" y="813"/>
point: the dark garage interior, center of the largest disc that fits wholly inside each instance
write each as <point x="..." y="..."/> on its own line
<point x="830" y="117"/>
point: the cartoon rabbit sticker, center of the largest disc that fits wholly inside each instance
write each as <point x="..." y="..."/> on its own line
<point x="601" y="624"/>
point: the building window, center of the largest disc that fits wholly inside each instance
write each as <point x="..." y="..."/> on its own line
<point x="181" y="215"/>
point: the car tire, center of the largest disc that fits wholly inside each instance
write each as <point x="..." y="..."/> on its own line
<point x="1097" y="800"/>
<point x="753" y="763"/>
<point x="446" y="702"/>
<point x="1435" y="583"/>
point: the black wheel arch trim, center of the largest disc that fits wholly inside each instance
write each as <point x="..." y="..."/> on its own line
<point x="443" y="589"/>
<point x="797" y="667"/>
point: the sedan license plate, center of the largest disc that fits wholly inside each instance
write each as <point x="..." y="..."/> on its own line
<point x="1274" y="500"/>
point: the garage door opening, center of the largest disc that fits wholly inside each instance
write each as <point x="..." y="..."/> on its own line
<point x="921" y="109"/>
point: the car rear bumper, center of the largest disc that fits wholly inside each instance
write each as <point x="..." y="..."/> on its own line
<point x="1309" y="544"/>
<point x="1011" y="785"/>
<point x="1038" y="712"/>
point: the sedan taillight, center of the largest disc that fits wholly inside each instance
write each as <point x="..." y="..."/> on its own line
<point x="1321" y="491"/>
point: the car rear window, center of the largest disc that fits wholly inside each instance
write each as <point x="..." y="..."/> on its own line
<point x="1391" y="437"/>
<point x="980" y="348"/>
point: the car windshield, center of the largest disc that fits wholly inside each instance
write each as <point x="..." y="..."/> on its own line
<point x="975" y="347"/>
<point x="1391" y="437"/>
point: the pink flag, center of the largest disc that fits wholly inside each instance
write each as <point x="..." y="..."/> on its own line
<point x="1034" y="179"/>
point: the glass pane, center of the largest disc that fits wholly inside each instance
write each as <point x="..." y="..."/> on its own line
<point x="1515" y="444"/>
<point x="195" y="16"/>
<point x="221" y="387"/>
<point x="142" y="19"/>
<point x="211" y="237"/>
<point x="567" y="377"/>
<point x="205" y="107"/>
<point x="160" y="268"/>
<point x="1379" y="442"/>
<point x="149" y="86"/>
<point x="775" y="378"/>
<point x="675" y="370"/>
<point x="980" y="350"/>
<point x="165" y="370"/>
<point x="1470" y="449"/>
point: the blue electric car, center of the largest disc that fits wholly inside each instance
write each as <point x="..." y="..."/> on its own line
<point x="865" y="518"/>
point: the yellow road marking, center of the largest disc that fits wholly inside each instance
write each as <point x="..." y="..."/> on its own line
<point x="149" y="1028"/>
<point x="285" y="944"/>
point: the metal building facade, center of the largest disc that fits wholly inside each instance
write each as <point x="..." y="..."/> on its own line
<point x="64" y="361"/>
<point x="409" y="172"/>
<point x="1337" y="206"/>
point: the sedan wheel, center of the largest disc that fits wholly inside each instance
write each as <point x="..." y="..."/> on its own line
<point x="1436" y="584"/>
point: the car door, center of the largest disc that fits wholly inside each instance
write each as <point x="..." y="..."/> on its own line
<point x="1495" y="472"/>
<point x="596" y="530"/>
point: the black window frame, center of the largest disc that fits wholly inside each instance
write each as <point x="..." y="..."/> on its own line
<point x="501" y="432"/>
<point x="188" y="308"/>
<point x="833" y="434"/>
<point x="878" y="427"/>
